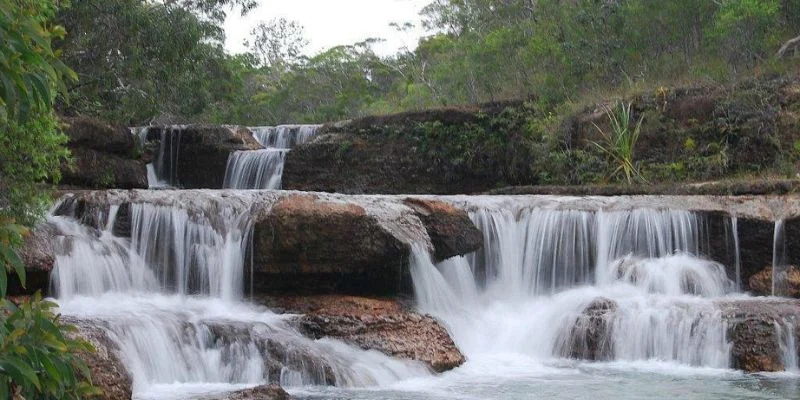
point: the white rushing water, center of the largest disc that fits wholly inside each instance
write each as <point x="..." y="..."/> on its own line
<point x="263" y="169"/>
<point x="550" y="289"/>
<point x="170" y="297"/>
<point x="528" y="292"/>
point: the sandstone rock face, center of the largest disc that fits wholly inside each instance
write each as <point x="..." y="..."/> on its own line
<point x="375" y="324"/>
<point x="199" y="153"/>
<point x="96" y="169"/>
<point x="103" y="156"/>
<point x="38" y="256"/>
<point x="311" y="245"/>
<point x="92" y="134"/>
<point x="108" y="371"/>
<point x="761" y="283"/>
<point x="450" y="229"/>
<point x="358" y="164"/>
<point x="264" y="392"/>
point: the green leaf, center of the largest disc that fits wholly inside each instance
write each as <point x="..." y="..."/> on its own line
<point x="20" y="370"/>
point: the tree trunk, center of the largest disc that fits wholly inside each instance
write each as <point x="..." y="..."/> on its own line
<point x="791" y="43"/>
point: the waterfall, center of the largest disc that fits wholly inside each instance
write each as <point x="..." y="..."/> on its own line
<point x="778" y="259"/>
<point x="263" y="169"/>
<point x="257" y="169"/>
<point x="620" y="285"/>
<point x="283" y="136"/>
<point x="168" y="294"/>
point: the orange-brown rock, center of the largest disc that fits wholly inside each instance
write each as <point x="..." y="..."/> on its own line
<point x="377" y="324"/>
<point x="761" y="282"/>
<point x="308" y="245"/>
<point x="451" y="231"/>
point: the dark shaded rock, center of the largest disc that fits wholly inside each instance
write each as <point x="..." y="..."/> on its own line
<point x="590" y="336"/>
<point x="87" y="133"/>
<point x="450" y="229"/>
<point x="305" y="245"/>
<point x="761" y="282"/>
<point x="97" y="170"/>
<point x="374" y="324"/>
<point x="264" y="392"/>
<point x="195" y="156"/>
<point x="108" y="371"/>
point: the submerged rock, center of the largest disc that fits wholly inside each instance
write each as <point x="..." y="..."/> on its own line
<point x="590" y="336"/>
<point x="264" y="392"/>
<point x="374" y="324"/>
<point x="761" y="282"/>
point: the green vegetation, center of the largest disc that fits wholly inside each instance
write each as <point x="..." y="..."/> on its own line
<point x="620" y="142"/>
<point x="36" y="360"/>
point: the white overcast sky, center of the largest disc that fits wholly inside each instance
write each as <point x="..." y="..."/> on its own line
<point x="329" y="23"/>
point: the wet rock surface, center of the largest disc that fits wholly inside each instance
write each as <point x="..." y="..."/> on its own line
<point x="39" y="258"/>
<point x="108" y="371"/>
<point x="756" y="329"/>
<point x="589" y="338"/>
<point x="761" y="282"/>
<point x="376" y="324"/>
<point x="264" y="392"/>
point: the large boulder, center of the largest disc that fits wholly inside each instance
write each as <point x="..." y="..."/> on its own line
<point x="761" y="283"/>
<point x="309" y="245"/>
<point x="197" y="155"/>
<point x="374" y="324"/>
<point x="758" y="330"/>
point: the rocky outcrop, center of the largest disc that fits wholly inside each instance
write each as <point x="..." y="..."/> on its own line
<point x="103" y="156"/>
<point x="108" y="371"/>
<point x="761" y="283"/>
<point x="95" y="169"/>
<point x="264" y="392"/>
<point x="195" y="156"/>
<point x="374" y="324"/>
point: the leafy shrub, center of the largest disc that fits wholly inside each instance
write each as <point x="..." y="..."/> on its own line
<point x="619" y="143"/>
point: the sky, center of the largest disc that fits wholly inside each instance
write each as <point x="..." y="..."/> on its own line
<point x="329" y="23"/>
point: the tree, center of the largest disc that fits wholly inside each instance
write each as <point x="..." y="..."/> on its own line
<point x="37" y="361"/>
<point x="277" y="44"/>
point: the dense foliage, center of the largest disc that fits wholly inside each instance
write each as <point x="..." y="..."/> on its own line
<point x="36" y="360"/>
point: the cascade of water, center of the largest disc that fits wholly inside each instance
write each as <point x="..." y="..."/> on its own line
<point x="135" y="290"/>
<point x="778" y="259"/>
<point x="257" y="169"/>
<point x="737" y="263"/>
<point x="283" y="136"/>
<point x="787" y="332"/>
<point x="528" y="289"/>
<point x="165" y="164"/>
